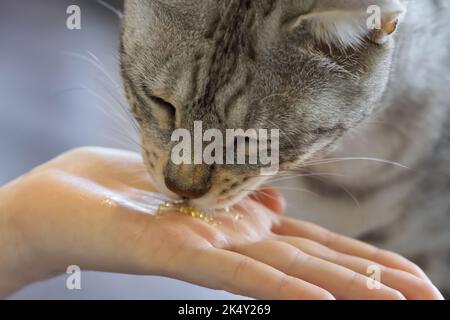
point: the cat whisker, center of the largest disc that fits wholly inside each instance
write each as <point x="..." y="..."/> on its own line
<point x="127" y="118"/>
<point x="285" y="135"/>
<point x="126" y="111"/>
<point x="302" y="175"/>
<point x="111" y="8"/>
<point x="257" y="193"/>
<point x="120" y="117"/>
<point x="347" y="191"/>
<point x="288" y="189"/>
<point x="120" y="121"/>
<point x="95" y="62"/>
<point x="337" y="160"/>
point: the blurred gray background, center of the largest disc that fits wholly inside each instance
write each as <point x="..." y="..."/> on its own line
<point x="61" y="89"/>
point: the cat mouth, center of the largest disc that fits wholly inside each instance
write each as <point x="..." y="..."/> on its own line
<point x="228" y="194"/>
<point x="226" y="189"/>
<point x="210" y="203"/>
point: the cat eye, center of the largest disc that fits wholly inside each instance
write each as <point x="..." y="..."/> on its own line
<point x="163" y="104"/>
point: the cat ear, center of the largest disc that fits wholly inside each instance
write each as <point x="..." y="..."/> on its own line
<point x="348" y="23"/>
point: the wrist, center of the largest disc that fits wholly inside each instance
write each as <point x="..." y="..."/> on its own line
<point x="13" y="255"/>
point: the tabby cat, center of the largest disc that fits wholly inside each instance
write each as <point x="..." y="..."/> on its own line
<point x="363" y="113"/>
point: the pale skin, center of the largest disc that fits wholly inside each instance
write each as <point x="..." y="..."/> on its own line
<point x="81" y="209"/>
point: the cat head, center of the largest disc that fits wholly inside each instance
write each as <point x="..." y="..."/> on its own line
<point x="313" y="69"/>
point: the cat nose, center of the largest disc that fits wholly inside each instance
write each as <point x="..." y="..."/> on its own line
<point x="186" y="194"/>
<point x="188" y="181"/>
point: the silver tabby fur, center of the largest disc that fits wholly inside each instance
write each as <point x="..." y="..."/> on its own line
<point x="240" y="64"/>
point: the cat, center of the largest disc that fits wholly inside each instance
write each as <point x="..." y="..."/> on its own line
<point x="363" y="113"/>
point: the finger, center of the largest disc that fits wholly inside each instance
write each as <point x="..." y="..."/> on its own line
<point x="410" y="286"/>
<point x="343" y="244"/>
<point x="226" y="270"/>
<point x="271" y="198"/>
<point x="341" y="282"/>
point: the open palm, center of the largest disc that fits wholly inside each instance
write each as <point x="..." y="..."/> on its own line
<point x="96" y="208"/>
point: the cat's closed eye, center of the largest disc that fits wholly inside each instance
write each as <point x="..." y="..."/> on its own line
<point x="164" y="106"/>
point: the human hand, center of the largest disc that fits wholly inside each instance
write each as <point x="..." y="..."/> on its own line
<point x="95" y="208"/>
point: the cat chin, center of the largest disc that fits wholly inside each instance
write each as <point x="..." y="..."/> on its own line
<point x="208" y="202"/>
<point x="213" y="203"/>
